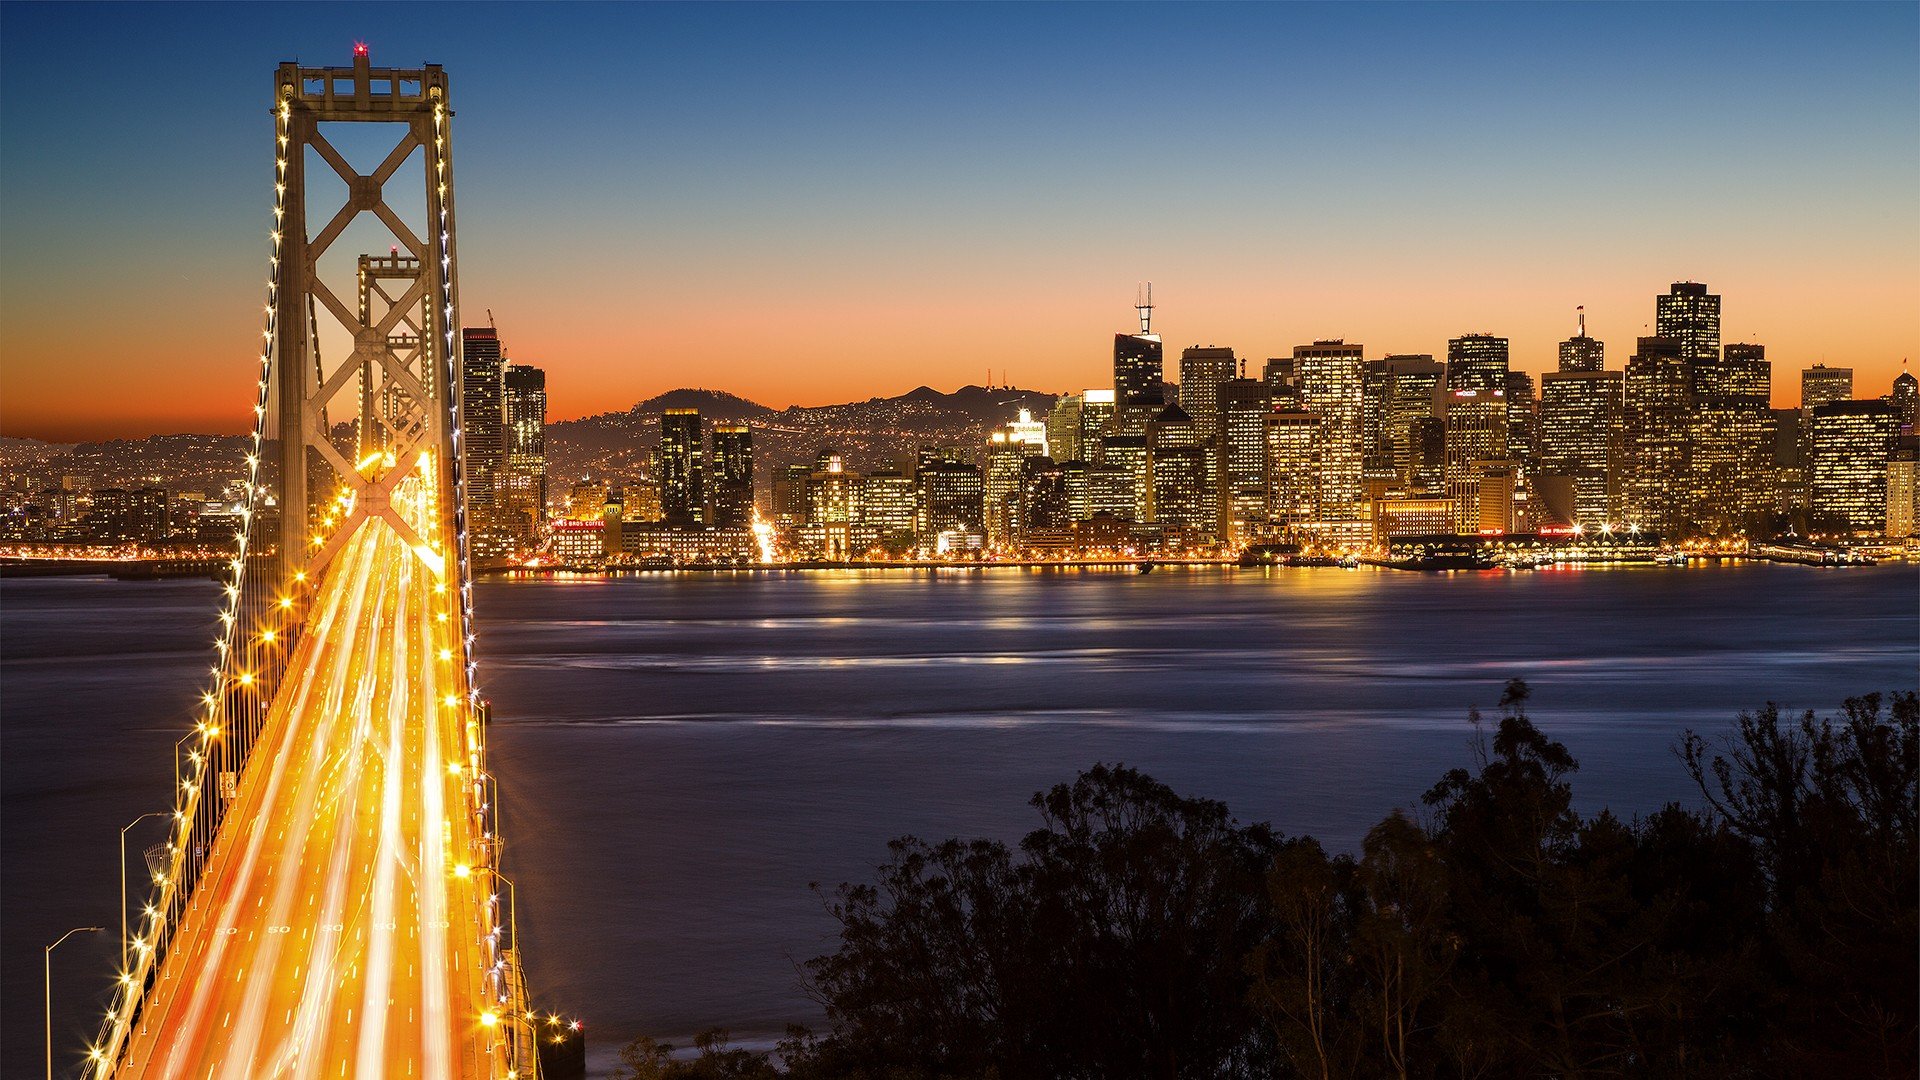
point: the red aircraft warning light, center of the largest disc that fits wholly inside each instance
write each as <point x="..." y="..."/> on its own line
<point x="359" y="48"/>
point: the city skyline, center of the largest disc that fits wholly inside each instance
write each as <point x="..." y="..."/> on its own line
<point x="772" y="236"/>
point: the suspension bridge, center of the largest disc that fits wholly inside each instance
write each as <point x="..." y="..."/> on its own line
<point x="329" y="902"/>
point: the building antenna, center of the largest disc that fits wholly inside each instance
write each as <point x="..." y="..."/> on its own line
<point x="1582" y="309"/>
<point x="1145" y="308"/>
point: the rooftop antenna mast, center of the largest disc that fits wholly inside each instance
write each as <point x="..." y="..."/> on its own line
<point x="1144" y="306"/>
<point x="1582" y="309"/>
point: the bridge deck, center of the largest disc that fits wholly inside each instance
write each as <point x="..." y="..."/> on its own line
<point x="338" y="930"/>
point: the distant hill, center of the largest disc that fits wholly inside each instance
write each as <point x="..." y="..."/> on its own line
<point x="871" y="433"/>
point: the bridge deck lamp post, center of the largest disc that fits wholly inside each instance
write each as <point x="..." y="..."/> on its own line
<point x="47" y="968"/>
<point x="123" y="881"/>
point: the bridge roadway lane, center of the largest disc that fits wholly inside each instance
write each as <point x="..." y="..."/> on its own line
<point x="337" y="931"/>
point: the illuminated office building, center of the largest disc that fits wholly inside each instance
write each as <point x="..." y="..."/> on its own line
<point x="1043" y="509"/>
<point x="522" y="498"/>
<point x="1182" y="488"/>
<point x="1293" y="471"/>
<point x="681" y="469"/>
<point x="1689" y="316"/>
<point x="483" y="445"/>
<point x="1732" y="449"/>
<point x="1905" y="399"/>
<point x="1096" y="413"/>
<point x="1332" y="387"/>
<point x="1822" y="385"/>
<point x="948" y="493"/>
<point x="1902" y="479"/>
<point x="887" y="506"/>
<point x="1006" y="449"/>
<point x="1063" y="427"/>
<point x="1244" y="405"/>
<point x="1412" y="393"/>
<point x="1582" y="353"/>
<point x="1580" y="415"/>
<point x="1203" y="371"/>
<point x="732" y="476"/>
<point x="1476" y="416"/>
<point x="1523" y="421"/>
<point x="1656" y="430"/>
<point x="1852" y="443"/>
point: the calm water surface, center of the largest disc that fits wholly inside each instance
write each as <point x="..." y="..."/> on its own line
<point x="681" y="755"/>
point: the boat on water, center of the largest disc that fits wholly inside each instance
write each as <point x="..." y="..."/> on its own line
<point x="1144" y="567"/>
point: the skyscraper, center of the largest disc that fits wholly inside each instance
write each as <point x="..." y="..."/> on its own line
<point x="1689" y="316"/>
<point x="682" y="479"/>
<point x="1332" y="387"/>
<point x="1244" y="405"/>
<point x="1731" y="446"/>
<point x="1138" y="372"/>
<point x="1821" y="384"/>
<point x="1203" y="371"/>
<point x="732" y="485"/>
<point x="1905" y="399"/>
<point x="522" y="509"/>
<point x="1656" y="432"/>
<point x="1183" y="491"/>
<point x="1580" y="352"/>
<point x="1413" y="394"/>
<point x="1007" y="447"/>
<point x="1096" y="412"/>
<point x="947" y="493"/>
<point x="1476" y="417"/>
<point x="1063" y="427"/>
<point x="1293" y="471"/>
<point x="1579" y="437"/>
<point x="483" y="446"/>
<point x="1852" y="441"/>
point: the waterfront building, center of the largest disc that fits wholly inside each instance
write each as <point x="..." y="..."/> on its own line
<point x="732" y="470"/>
<point x="483" y="446"/>
<point x="1332" y="387"/>
<point x="1416" y="516"/>
<point x="1244" y="405"/>
<point x="1582" y="353"/>
<point x="887" y="506"/>
<point x="1852" y="444"/>
<point x="1731" y="451"/>
<point x="833" y="504"/>
<point x="681" y="469"/>
<point x="1656" y="429"/>
<point x="1293" y="471"/>
<point x="1203" y="371"/>
<point x="1476" y="417"/>
<point x="522" y="502"/>
<point x="1580" y="415"/>
<point x="948" y="494"/>
<point x="579" y="543"/>
<point x="1821" y="385"/>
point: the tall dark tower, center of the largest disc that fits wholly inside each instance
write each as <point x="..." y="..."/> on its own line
<point x="732" y="475"/>
<point x="1138" y="360"/>
<point x="1580" y="352"/>
<point x="522" y="496"/>
<point x="682" y="500"/>
<point x="483" y="443"/>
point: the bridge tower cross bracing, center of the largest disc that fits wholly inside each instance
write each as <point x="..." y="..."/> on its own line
<point x="314" y="496"/>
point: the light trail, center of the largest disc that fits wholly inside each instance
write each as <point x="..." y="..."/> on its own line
<point x="342" y="924"/>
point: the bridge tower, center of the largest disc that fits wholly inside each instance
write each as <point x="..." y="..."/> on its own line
<point x="355" y="458"/>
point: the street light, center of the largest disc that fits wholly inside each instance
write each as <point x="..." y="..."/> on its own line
<point x="47" y="967"/>
<point x="123" y="880"/>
